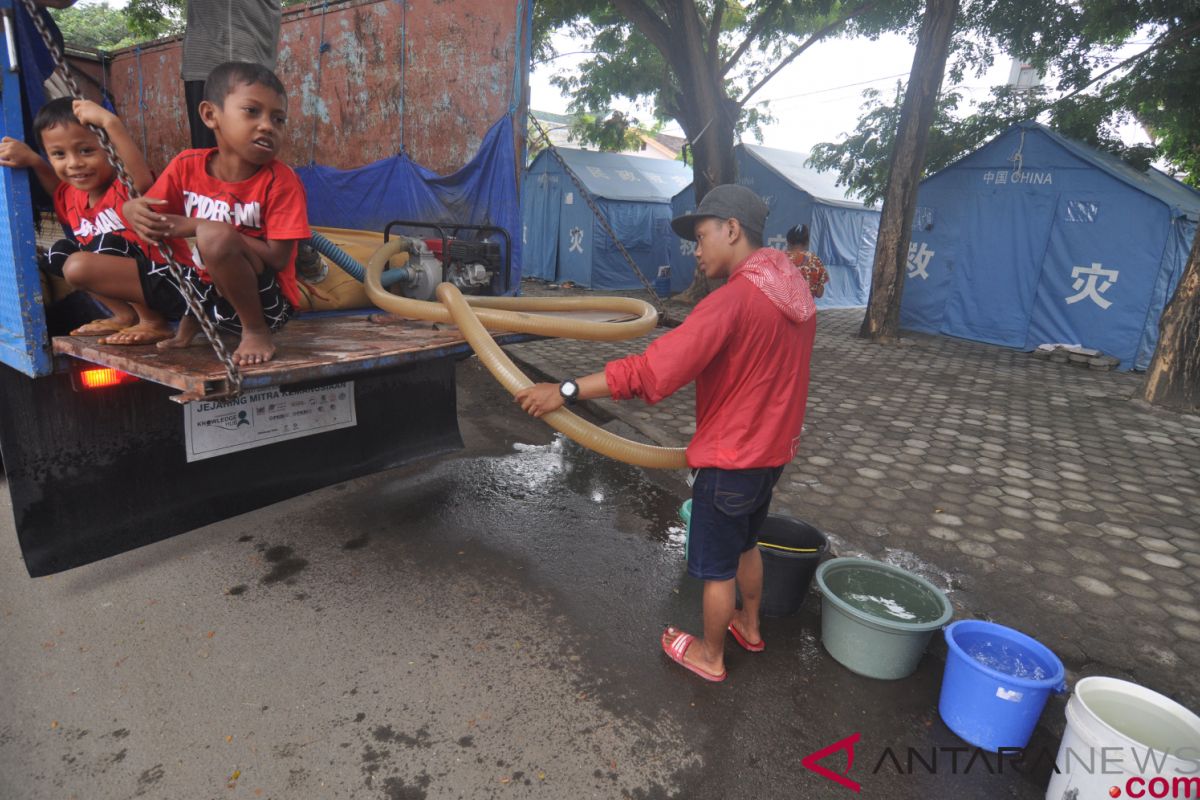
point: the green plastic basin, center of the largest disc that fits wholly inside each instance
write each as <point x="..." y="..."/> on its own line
<point x="877" y="619"/>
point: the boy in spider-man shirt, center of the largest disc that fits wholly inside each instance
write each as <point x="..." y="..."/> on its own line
<point x="87" y="197"/>
<point x="245" y="208"/>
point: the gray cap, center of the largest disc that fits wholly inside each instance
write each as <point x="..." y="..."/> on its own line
<point x="727" y="201"/>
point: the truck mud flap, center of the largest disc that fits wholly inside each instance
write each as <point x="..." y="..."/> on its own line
<point x="96" y="473"/>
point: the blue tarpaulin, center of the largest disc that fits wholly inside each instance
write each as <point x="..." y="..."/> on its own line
<point x="1035" y="238"/>
<point x="842" y="231"/>
<point x="564" y="241"/>
<point x="483" y="192"/>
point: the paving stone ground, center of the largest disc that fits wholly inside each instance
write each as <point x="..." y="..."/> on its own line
<point x="1043" y="496"/>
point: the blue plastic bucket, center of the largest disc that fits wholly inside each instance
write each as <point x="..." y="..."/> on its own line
<point x="996" y="684"/>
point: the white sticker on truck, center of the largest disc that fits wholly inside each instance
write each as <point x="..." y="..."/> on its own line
<point x="264" y="417"/>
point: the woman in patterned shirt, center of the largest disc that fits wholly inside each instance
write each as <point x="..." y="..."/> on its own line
<point x="806" y="260"/>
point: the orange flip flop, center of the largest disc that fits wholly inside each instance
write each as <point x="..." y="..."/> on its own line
<point x="677" y="648"/>
<point x="745" y="643"/>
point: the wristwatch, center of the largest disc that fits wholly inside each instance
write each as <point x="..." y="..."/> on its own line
<point x="569" y="391"/>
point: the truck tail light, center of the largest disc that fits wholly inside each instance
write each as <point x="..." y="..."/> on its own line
<point x="100" y="378"/>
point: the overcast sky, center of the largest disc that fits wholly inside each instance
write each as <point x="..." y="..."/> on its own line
<point x="816" y="98"/>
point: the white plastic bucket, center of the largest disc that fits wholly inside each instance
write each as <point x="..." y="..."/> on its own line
<point x="1124" y="740"/>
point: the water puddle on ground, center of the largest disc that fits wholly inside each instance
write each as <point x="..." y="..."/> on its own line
<point x="910" y="562"/>
<point x="558" y="475"/>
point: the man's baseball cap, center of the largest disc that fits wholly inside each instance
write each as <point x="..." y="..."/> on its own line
<point x="727" y="201"/>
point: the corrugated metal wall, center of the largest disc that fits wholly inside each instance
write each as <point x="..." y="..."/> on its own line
<point x="358" y="101"/>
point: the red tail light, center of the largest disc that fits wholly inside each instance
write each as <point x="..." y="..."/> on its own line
<point x="101" y="377"/>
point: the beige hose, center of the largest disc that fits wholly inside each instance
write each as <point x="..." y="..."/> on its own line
<point x="504" y="314"/>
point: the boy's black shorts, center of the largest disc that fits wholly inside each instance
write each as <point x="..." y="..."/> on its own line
<point x="164" y="295"/>
<point x="107" y="244"/>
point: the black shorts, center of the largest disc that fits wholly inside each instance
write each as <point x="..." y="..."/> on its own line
<point x="164" y="295"/>
<point x="108" y="244"/>
<point x="729" y="507"/>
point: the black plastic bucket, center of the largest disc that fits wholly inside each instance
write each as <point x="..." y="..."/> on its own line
<point x="791" y="551"/>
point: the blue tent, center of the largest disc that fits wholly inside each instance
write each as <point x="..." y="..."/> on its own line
<point x="842" y="231"/>
<point x="564" y="241"/>
<point x="1035" y="238"/>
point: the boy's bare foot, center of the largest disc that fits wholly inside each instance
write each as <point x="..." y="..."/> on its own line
<point x="180" y="340"/>
<point x="142" y="333"/>
<point x="184" y="336"/>
<point x="255" y="348"/>
<point x="103" y="327"/>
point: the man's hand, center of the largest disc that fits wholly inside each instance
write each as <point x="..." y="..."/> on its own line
<point x="15" y="153"/>
<point x="89" y="113"/>
<point x="540" y="399"/>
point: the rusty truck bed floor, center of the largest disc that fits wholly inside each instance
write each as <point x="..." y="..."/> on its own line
<point x="309" y="349"/>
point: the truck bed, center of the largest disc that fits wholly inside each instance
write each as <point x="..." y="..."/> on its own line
<point x="310" y="348"/>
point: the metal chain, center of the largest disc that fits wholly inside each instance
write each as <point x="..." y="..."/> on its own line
<point x="190" y="296"/>
<point x="587" y="198"/>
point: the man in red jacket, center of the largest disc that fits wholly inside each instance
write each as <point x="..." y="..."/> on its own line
<point x="747" y="346"/>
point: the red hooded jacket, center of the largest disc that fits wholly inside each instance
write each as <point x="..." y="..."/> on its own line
<point x="747" y="346"/>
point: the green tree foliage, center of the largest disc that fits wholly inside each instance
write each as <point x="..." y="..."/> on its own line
<point x="1160" y="85"/>
<point x="1096" y="91"/>
<point x="98" y="25"/>
<point x="699" y="62"/>
<point x="862" y="158"/>
<point x="94" y="25"/>
<point x="614" y="132"/>
<point x="153" y="19"/>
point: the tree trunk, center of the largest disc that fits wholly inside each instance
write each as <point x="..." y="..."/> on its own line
<point x="882" y="321"/>
<point x="712" y="165"/>
<point x="708" y="116"/>
<point x="1173" y="379"/>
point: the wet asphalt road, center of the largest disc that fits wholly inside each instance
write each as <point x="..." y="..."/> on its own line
<point x="481" y="625"/>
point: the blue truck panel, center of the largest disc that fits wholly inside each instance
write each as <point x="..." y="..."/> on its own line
<point x="24" y="344"/>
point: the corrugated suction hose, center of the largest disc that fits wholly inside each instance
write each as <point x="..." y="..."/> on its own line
<point x="471" y="315"/>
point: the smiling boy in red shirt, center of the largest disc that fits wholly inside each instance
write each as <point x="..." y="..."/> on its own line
<point x="245" y="207"/>
<point x="747" y="346"/>
<point x="87" y="199"/>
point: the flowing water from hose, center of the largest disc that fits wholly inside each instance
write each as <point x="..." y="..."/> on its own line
<point x="518" y="315"/>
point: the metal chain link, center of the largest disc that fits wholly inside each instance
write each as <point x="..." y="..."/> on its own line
<point x="190" y="296"/>
<point x="587" y="198"/>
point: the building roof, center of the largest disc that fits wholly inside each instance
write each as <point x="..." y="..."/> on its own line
<point x="793" y="168"/>
<point x="617" y="176"/>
